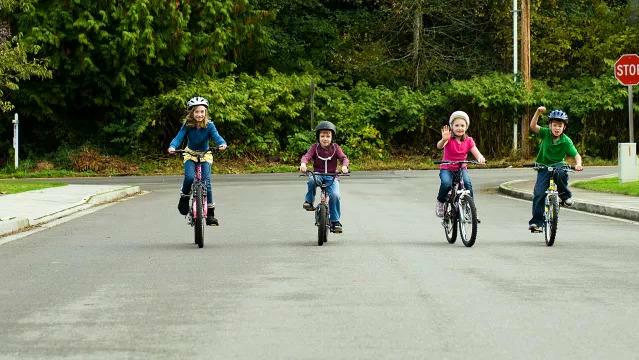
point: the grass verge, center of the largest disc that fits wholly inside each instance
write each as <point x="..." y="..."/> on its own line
<point x="610" y="185"/>
<point x="13" y="186"/>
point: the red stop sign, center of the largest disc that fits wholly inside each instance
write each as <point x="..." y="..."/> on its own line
<point x="627" y="69"/>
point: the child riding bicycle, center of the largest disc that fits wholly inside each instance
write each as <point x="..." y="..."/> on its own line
<point x="325" y="154"/>
<point x="554" y="147"/>
<point x="456" y="147"/>
<point x="198" y="130"/>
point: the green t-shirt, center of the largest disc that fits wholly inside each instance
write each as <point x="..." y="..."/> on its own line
<point x="552" y="153"/>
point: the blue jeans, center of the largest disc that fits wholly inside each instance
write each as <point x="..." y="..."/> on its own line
<point x="333" y="193"/>
<point x="189" y="177"/>
<point x="539" y="194"/>
<point x="446" y="177"/>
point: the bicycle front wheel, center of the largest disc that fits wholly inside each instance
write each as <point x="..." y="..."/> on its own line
<point x="449" y="222"/>
<point x="467" y="220"/>
<point x="322" y="224"/>
<point x="552" y="218"/>
<point x="199" y="218"/>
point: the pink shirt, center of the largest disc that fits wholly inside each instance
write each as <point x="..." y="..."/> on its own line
<point x="456" y="150"/>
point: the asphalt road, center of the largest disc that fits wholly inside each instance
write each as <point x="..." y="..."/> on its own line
<point x="126" y="282"/>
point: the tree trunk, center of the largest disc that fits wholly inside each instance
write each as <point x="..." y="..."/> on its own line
<point x="418" y="24"/>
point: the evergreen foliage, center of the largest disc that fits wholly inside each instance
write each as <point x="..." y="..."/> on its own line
<point x="117" y="74"/>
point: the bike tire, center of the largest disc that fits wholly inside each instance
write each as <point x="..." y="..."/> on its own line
<point x="322" y="225"/>
<point x="552" y="219"/>
<point x="450" y="223"/>
<point x="467" y="220"/>
<point x="199" y="218"/>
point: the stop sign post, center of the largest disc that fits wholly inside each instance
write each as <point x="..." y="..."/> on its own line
<point x="627" y="73"/>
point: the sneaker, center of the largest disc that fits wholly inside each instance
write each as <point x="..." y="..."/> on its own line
<point x="308" y="206"/>
<point x="210" y="218"/>
<point x="439" y="209"/>
<point x="336" y="227"/>
<point x="568" y="202"/>
<point x="183" y="204"/>
<point x="534" y="228"/>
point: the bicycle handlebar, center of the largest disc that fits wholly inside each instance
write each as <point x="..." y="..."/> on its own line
<point x="315" y="173"/>
<point x="538" y="166"/>
<point x="196" y="152"/>
<point x="457" y="162"/>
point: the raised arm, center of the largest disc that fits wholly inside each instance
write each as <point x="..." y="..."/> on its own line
<point x="533" y="122"/>
<point x="445" y="137"/>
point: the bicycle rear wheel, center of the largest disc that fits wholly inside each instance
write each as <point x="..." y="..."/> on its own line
<point x="467" y="221"/>
<point x="552" y="218"/>
<point x="322" y="224"/>
<point x="449" y="222"/>
<point x="199" y="218"/>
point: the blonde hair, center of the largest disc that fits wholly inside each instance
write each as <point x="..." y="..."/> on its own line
<point x="189" y="119"/>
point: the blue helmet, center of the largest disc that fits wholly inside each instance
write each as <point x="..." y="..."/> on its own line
<point x="558" y="115"/>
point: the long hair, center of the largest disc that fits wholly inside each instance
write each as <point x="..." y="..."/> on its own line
<point x="189" y="119"/>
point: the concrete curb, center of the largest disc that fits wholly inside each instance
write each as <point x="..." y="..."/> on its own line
<point x="8" y="226"/>
<point x="14" y="225"/>
<point x="508" y="189"/>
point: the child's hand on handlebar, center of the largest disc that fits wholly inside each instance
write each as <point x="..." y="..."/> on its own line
<point x="303" y="167"/>
<point x="481" y="160"/>
<point x="171" y="150"/>
<point x="344" y="169"/>
<point x="222" y="147"/>
<point x="579" y="167"/>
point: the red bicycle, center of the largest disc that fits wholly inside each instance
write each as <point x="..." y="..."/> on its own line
<point x="198" y="210"/>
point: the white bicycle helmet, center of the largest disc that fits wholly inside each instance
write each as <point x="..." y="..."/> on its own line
<point x="459" y="115"/>
<point x="196" y="101"/>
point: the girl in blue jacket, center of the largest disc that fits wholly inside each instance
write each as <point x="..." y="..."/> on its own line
<point x="198" y="130"/>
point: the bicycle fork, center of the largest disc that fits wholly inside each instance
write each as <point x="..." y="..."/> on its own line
<point x="323" y="202"/>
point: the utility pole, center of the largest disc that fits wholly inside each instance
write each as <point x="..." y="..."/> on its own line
<point x="515" y="70"/>
<point x="525" y="72"/>
<point x="312" y="104"/>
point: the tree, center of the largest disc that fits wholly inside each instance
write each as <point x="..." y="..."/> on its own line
<point x="437" y="44"/>
<point x="16" y="63"/>
<point x="108" y="55"/>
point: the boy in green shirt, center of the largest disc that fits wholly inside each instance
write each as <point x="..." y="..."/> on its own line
<point x="553" y="149"/>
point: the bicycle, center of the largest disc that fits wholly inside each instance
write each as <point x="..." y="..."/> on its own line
<point x="459" y="209"/>
<point x="199" y="208"/>
<point x="551" y="202"/>
<point x="322" y="215"/>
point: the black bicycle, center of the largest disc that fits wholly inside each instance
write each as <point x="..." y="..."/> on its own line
<point x="459" y="209"/>
<point x="199" y="208"/>
<point x="322" y="215"/>
<point x="551" y="202"/>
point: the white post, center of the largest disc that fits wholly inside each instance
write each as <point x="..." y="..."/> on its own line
<point x="630" y="118"/>
<point x="15" y="138"/>
<point x="515" y="60"/>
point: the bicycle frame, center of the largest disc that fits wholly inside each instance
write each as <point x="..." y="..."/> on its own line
<point x="198" y="183"/>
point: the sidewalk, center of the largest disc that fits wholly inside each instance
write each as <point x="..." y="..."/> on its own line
<point x="32" y="208"/>
<point x="614" y="205"/>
